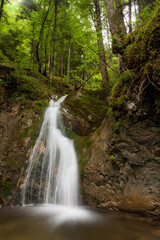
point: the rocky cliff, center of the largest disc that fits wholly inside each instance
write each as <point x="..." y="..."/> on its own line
<point x="21" y="110"/>
<point x="122" y="170"/>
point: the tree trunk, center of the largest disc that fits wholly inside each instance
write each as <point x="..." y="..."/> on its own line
<point x="62" y="63"/>
<point x="52" y="70"/>
<point x="32" y="48"/>
<point x="40" y="40"/>
<point x="91" y="82"/>
<point x="47" y="56"/>
<point x="69" y="58"/>
<point x="130" y="16"/>
<point x="139" y="6"/>
<point x="46" y="60"/>
<point x="40" y="53"/>
<point x="120" y="16"/>
<point x="116" y="22"/>
<point x="85" y="70"/>
<point x="1" y="9"/>
<point x="102" y="56"/>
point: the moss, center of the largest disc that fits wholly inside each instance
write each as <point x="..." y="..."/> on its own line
<point x="82" y="143"/>
<point x="88" y="105"/>
<point x="23" y="89"/>
<point x="111" y="157"/>
<point x="70" y="134"/>
<point x="142" y="45"/>
<point x="117" y="124"/>
<point x="14" y="162"/>
<point x="119" y="91"/>
<point x="5" y="187"/>
<point x="24" y="134"/>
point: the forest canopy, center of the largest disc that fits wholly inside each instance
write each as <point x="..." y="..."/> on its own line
<point x="75" y="40"/>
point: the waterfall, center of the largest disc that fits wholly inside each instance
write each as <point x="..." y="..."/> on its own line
<point x="52" y="174"/>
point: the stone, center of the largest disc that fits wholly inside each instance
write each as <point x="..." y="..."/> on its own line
<point x="131" y="179"/>
<point x="25" y="141"/>
<point x="29" y="122"/>
<point x="131" y="105"/>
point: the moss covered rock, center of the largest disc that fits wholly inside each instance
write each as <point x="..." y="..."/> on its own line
<point x="84" y="111"/>
<point x="139" y="62"/>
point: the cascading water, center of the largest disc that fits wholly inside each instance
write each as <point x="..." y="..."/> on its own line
<point x="52" y="174"/>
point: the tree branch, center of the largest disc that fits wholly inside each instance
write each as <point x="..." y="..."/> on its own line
<point x="87" y="79"/>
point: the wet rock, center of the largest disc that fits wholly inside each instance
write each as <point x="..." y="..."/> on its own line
<point x="15" y="137"/>
<point x="130" y="169"/>
<point x="83" y="112"/>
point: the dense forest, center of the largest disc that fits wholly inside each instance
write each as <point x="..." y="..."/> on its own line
<point x="105" y="55"/>
<point x="77" y="41"/>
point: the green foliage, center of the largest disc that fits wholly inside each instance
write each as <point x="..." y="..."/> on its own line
<point x="96" y="81"/>
<point x="26" y="87"/>
<point x="23" y="35"/>
<point x="27" y="40"/>
<point x="142" y="50"/>
<point x="148" y="11"/>
<point x="31" y="87"/>
<point x="111" y="157"/>
<point x="119" y="90"/>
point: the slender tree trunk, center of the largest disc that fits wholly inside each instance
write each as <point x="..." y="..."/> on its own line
<point x="1" y="9"/>
<point x="85" y="70"/>
<point x="130" y="16"/>
<point x="111" y="64"/>
<point x="69" y="58"/>
<point x="102" y="56"/>
<point x="91" y="82"/>
<point x="47" y="58"/>
<point x="139" y="6"/>
<point x="54" y="45"/>
<point x="32" y="48"/>
<point x="40" y="40"/>
<point x="120" y="16"/>
<point x="40" y="53"/>
<point x="59" y="68"/>
<point x="62" y="47"/>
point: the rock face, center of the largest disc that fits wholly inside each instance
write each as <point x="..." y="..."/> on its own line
<point x="19" y="128"/>
<point x="84" y="111"/>
<point x="16" y="136"/>
<point x="122" y="171"/>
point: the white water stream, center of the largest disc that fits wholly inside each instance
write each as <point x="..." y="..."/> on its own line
<point x="52" y="174"/>
<point x="52" y="179"/>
